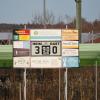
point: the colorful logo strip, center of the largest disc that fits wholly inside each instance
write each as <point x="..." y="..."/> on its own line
<point x="21" y="35"/>
<point x="70" y="48"/>
<point x="21" y="48"/>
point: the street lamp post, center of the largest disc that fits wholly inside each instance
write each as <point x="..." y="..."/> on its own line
<point x="78" y="17"/>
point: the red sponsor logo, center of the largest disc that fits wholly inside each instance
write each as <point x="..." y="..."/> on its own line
<point x="23" y="32"/>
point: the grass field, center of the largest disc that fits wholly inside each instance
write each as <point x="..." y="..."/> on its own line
<point x="6" y="56"/>
<point x="89" y="54"/>
<point x="89" y="62"/>
<point x="6" y="63"/>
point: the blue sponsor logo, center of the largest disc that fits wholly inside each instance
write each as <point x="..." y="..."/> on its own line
<point x="70" y="61"/>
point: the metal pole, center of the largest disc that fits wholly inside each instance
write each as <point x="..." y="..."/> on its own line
<point x="20" y="93"/>
<point x="96" y="77"/>
<point x="92" y="36"/>
<point x="78" y="17"/>
<point x="25" y="77"/>
<point x="66" y="84"/>
<point x="59" y="82"/>
<point x="25" y="26"/>
<point x="25" y="84"/>
<point x="44" y="13"/>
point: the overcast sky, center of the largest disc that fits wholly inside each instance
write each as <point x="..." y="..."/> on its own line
<point x="21" y="11"/>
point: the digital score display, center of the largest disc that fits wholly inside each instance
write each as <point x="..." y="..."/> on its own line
<point x="46" y="48"/>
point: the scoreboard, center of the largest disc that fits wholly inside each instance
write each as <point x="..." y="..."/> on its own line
<point x="45" y="48"/>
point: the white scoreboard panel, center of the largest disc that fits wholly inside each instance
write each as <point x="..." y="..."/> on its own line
<point x="46" y="48"/>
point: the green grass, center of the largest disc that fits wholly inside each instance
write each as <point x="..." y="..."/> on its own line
<point x="6" y="63"/>
<point x="89" y="54"/>
<point x="89" y="62"/>
<point x="6" y="48"/>
<point x="5" y="55"/>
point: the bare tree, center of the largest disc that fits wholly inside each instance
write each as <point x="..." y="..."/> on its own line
<point x="60" y="20"/>
<point x="38" y="18"/>
<point x="68" y="19"/>
<point x="50" y="18"/>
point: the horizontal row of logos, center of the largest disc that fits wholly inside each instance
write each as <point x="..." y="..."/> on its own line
<point x="64" y="44"/>
<point x="27" y="52"/>
<point x="45" y="38"/>
<point x="45" y="62"/>
<point x="45" y="34"/>
<point x="45" y="48"/>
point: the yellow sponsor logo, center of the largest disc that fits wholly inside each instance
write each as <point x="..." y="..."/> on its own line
<point x="70" y="46"/>
<point x="24" y="37"/>
<point x="70" y="35"/>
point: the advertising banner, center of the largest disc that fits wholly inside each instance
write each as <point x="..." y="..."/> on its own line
<point x="24" y="37"/>
<point x="70" y="61"/>
<point x="70" y="52"/>
<point x="21" y="44"/>
<point x="70" y="35"/>
<point x="21" y="35"/>
<point x="46" y="62"/>
<point x="70" y="44"/>
<point x="21" y="32"/>
<point x="45" y="34"/>
<point x="21" y="62"/>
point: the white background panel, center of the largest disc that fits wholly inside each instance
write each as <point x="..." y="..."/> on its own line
<point x="45" y="32"/>
<point x="46" y="62"/>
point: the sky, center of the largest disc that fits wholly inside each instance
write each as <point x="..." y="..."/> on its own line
<point x="23" y="11"/>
